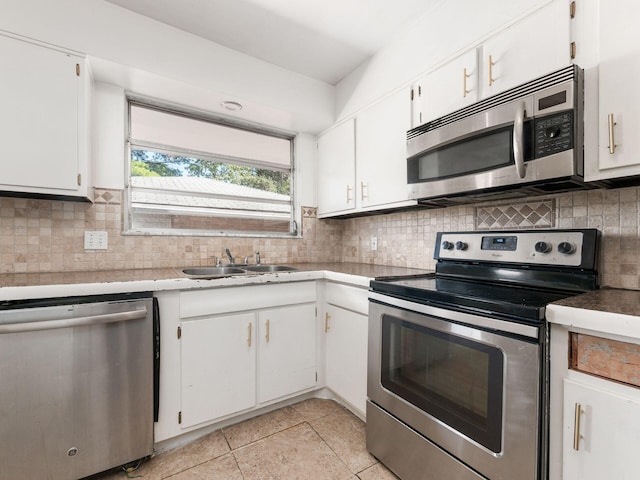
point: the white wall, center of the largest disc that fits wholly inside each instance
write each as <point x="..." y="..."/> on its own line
<point x="449" y="28"/>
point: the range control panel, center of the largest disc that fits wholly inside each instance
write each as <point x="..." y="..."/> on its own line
<point x="545" y="247"/>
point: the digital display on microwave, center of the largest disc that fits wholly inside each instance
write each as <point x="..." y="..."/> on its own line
<point x="552" y="100"/>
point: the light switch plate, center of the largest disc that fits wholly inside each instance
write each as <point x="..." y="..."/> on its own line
<point x="374" y="243"/>
<point x="95" y="240"/>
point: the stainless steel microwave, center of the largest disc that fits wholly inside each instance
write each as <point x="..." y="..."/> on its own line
<point x="525" y="141"/>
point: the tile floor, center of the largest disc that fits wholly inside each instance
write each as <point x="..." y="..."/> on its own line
<point x="315" y="439"/>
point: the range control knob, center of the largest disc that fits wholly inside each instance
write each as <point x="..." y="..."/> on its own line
<point x="461" y="246"/>
<point x="447" y="245"/>
<point x="566" y="248"/>
<point x="542" y="247"/>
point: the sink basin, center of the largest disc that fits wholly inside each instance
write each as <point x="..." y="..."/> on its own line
<point x="213" y="271"/>
<point x="269" y="268"/>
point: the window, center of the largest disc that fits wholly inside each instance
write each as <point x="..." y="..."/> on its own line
<point x="193" y="175"/>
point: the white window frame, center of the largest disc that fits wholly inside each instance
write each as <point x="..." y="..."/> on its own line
<point x="132" y="99"/>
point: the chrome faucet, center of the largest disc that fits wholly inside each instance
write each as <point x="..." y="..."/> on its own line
<point x="257" y="258"/>
<point x="231" y="259"/>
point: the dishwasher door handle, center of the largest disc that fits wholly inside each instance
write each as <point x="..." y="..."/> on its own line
<point x="72" y="322"/>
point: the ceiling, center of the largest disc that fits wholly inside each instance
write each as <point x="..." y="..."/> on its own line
<point x="322" y="39"/>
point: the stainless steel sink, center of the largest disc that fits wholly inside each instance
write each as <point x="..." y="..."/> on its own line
<point x="213" y="271"/>
<point x="269" y="268"/>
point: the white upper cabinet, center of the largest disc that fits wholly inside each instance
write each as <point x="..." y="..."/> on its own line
<point x="362" y="162"/>
<point x="381" y="152"/>
<point x="536" y="45"/>
<point x="619" y="97"/>
<point x="446" y="89"/>
<point x="337" y="170"/>
<point x="43" y="93"/>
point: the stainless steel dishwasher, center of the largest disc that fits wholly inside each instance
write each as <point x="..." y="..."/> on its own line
<point x="76" y="385"/>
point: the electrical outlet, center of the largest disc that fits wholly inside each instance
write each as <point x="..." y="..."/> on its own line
<point x="374" y="243"/>
<point x="95" y="240"/>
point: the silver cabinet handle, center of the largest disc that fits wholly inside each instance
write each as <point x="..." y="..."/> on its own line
<point x="327" y="316"/>
<point x="266" y="335"/>
<point x="612" y="142"/>
<point x="249" y="334"/>
<point x="362" y="194"/>
<point x="576" y="427"/>
<point x="349" y="188"/>
<point x="72" y="322"/>
<point x="518" y="153"/>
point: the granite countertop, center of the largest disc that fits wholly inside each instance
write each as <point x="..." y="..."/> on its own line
<point x="608" y="310"/>
<point x="611" y="300"/>
<point x="20" y="286"/>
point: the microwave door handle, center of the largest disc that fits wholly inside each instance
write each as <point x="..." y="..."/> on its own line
<point x="518" y="148"/>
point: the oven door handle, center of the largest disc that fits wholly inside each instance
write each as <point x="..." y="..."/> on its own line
<point x="518" y="141"/>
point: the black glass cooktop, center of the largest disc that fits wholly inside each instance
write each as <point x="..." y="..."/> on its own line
<point x="478" y="297"/>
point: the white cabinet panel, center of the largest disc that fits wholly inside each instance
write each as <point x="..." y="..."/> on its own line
<point x="381" y="151"/>
<point x="619" y="96"/>
<point x="449" y="88"/>
<point x="218" y="367"/>
<point x="287" y="355"/>
<point x="336" y="169"/>
<point x="609" y="433"/>
<point x="346" y="355"/>
<point x="536" y="45"/>
<point x="43" y="122"/>
<point x="245" y="346"/>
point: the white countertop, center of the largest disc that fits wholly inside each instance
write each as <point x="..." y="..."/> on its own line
<point x="24" y="286"/>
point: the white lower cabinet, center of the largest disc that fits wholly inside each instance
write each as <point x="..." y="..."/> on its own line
<point x="346" y="328"/>
<point x="234" y="361"/>
<point x="287" y="353"/>
<point x="601" y="432"/>
<point x="218" y="367"/>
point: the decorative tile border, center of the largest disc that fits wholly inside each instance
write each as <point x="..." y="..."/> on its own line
<point x="532" y="214"/>
<point x="309" y="212"/>
<point x="107" y="196"/>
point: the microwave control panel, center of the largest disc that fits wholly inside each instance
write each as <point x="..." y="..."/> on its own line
<point x="553" y="134"/>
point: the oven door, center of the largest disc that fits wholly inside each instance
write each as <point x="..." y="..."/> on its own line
<point x="474" y="393"/>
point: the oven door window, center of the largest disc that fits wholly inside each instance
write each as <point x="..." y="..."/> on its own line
<point x="471" y="155"/>
<point x="454" y="379"/>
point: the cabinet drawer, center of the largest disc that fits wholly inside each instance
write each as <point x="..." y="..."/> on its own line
<point x="350" y="298"/>
<point x="196" y="303"/>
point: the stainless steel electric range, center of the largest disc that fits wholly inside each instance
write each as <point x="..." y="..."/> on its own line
<point x="458" y="360"/>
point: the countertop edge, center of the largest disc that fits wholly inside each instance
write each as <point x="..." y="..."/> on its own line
<point x="53" y="285"/>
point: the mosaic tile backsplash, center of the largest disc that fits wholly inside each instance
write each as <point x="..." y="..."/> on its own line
<point x="48" y="235"/>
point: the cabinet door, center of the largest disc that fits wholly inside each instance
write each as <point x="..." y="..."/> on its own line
<point x="218" y="367"/>
<point x="381" y="152"/>
<point x="42" y="114"/>
<point x="609" y="433"/>
<point x="336" y="169"/>
<point x="449" y="88"/>
<point x="619" y="95"/>
<point x="287" y="358"/>
<point x="346" y="355"/>
<point x="536" y="45"/>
